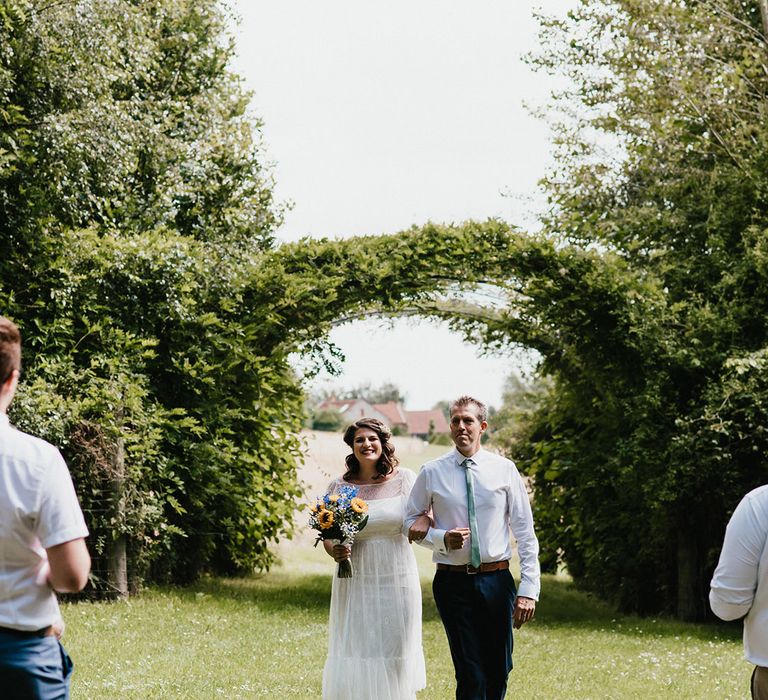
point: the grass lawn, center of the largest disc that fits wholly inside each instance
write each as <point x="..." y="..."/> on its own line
<point x="415" y="461"/>
<point x="266" y="637"/>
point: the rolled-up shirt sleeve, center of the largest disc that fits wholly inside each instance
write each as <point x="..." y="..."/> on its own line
<point x="521" y="524"/>
<point x="733" y="586"/>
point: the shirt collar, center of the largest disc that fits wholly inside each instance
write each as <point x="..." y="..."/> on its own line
<point x="460" y="457"/>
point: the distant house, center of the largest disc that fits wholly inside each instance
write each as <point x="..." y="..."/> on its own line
<point x="424" y="424"/>
<point x="353" y="409"/>
<point x="397" y="418"/>
<point x="419" y="424"/>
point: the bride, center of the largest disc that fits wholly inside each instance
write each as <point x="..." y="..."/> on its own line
<point x="374" y="648"/>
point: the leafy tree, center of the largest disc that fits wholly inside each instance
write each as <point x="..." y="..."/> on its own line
<point x="131" y="191"/>
<point x="384" y="393"/>
<point x="327" y="419"/>
<point x="445" y="406"/>
<point x="647" y="436"/>
<point x="520" y="398"/>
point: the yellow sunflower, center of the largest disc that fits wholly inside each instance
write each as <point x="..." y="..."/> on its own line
<point x="333" y="498"/>
<point x="316" y="508"/>
<point x="325" y="519"/>
<point x="359" y="505"/>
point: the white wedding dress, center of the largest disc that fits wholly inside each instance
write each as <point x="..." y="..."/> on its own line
<point x="374" y="630"/>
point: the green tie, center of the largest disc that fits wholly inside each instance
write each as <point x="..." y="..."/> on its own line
<point x="474" y="542"/>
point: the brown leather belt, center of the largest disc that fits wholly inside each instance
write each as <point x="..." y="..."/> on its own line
<point x="26" y="634"/>
<point x="469" y="569"/>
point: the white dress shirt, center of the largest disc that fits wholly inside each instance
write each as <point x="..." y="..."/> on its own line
<point x="740" y="583"/>
<point x="501" y="504"/>
<point x="38" y="510"/>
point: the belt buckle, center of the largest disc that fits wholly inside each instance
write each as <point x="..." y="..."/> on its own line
<point x="470" y="570"/>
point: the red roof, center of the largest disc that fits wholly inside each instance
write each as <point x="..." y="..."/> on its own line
<point x="393" y="411"/>
<point x="341" y="404"/>
<point x="418" y="422"/>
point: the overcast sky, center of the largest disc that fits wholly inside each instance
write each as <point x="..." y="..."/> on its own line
<point x="378" y="116"/>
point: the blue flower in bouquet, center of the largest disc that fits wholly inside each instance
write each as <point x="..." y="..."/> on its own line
<point x="339" y="516"/>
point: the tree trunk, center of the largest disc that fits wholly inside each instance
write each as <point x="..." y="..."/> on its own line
<point x="764" y="14"/>
<point x="118" y="555"/>
<point x="690" y="605"/>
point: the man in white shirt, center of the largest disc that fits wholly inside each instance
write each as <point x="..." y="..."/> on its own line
<point x="739" y="586"/>
<point x="42" y="549"/>
<point x="475" y="498"/>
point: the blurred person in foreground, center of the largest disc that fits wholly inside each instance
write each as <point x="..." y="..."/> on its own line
<point x="42" y="549"/>
<point x="739" y="587"/>
<point x="475" y="499"/>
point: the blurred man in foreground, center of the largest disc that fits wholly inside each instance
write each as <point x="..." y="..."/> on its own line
<point x="739" y="586"/>
<point x="42" y="549"/>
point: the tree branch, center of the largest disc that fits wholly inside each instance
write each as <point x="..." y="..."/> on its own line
<point x="764" y="16"/>
<point x="746" y="25"/>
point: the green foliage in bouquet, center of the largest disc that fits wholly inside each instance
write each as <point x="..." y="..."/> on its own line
<point x="339" y="516"/>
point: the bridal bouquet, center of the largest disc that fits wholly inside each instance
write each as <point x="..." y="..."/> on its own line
<point x="339" y="516"/>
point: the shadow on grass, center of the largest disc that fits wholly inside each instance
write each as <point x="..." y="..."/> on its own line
<point x="276" y="592"/>
<point x="562" y="605"/>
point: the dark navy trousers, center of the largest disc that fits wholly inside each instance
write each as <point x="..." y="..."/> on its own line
<point x="476" y="610"/>
<point x="33" y="668"/>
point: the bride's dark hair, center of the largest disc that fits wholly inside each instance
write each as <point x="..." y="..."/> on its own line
<point x="387" y="462"/>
